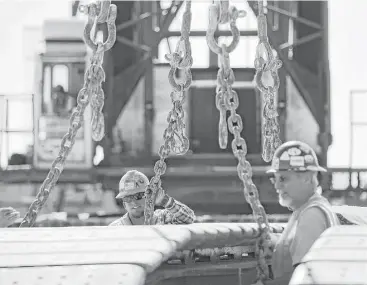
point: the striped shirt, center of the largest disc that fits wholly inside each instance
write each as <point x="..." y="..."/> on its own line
<point x="174" y="213"/>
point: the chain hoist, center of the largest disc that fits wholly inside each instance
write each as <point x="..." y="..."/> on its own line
<point x="227" y="100"/>
<point x="174" y="136"/>
<point x="267" y="65"/>
<point x="90" y="93"/>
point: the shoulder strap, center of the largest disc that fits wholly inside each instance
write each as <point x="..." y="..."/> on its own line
<point x="330" y="216"/>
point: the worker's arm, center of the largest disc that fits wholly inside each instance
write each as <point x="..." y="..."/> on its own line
<point x="8" y="216"/>
<point x="176" y="212"/>
<point x="311" y="224"/>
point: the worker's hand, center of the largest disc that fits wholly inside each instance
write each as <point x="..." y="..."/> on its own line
<point x="275" y="238"/>
<point x="8" y="216"/>
<point x="268" y="244"/>
<point x="161" y="198"/>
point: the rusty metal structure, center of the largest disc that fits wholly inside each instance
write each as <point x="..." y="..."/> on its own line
<point x="296" y="30"/>
<point x="201" y="253"/>
<point x="298" y="33"/>
<point x="292" y="25"/>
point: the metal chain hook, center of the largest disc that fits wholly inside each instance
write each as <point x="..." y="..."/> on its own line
<point x="227" y="100"/>
<point x="182" y="57"/>
<point x="223" y="12"/>
<point x="174" y="136"/>
<point x="267" y="65"/>
<point x="93" y="78"/>
<point x="214" y="16"/>
<point x="260" y="7"/>
<point x="102" y="9"/>
<point x="111" y="28"/>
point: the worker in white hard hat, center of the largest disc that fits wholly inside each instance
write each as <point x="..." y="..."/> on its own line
<point x="295" y="168"/>
<point x="8" y="216"/>
<point x="132" y="188"/>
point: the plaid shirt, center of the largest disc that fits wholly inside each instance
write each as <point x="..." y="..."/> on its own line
<point x="175" y="213"/>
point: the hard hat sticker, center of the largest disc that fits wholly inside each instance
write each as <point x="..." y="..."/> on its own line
<point x="294" y="151"/>
<point x="297" y="161"/>
<point x="284" y="156"/>
<point x="309" y="159"/>
<point x="304" y="149"/>
<point x="129" y="185"/>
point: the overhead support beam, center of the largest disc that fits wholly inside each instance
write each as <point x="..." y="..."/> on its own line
<point x="133" y="22"/>
<point x="302" y="41"/>
<point x="162" y="19"/>
<point x="152" y="33"/>
<point x="151" y="25"/>
<point x="294" y="17"/>
<point x="250" y="33"/>
<point x="166" y="22"/>
<point x="124" y="85"/>
<point x="129" y="43"/>
<point x="171" y="14"/>
<point x="325" y="137"/>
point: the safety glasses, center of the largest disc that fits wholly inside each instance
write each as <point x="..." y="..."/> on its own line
<point x="136" y="197"/>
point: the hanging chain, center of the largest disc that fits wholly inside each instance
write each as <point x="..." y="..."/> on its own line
<point x="97" y="99"/>
<point x="267" y="65"/>
<point x="91" y="92"/>
<point x="174" y="136"/>
<point x="227" y="100"/>
<point x="222" y="13"/>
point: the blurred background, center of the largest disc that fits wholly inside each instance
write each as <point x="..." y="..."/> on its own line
<point x="321" y="101"/>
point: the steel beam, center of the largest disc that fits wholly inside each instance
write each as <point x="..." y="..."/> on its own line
<point x="133" y="22"/>
<point x="226" y="33"/>
<point x="325" y="137"/>
<point x="96" y="175"/>
<point x="295" y="18"/>
<point x="129" y="43"/>
<point x="146" y="43"/>
<point x="146" y="30"/>
<point x="148" y="107"/>
<point x="124" y="85"/>
<point x="301" y="41"/>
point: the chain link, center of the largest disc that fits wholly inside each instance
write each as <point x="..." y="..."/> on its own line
<point x="221" y="13"/>
<point x="174" y="136"/>
<point x="91" y="92"/>
<point x="267" y="65"/>
<point x="227" y="100"/>
<point x="97" y="100"/>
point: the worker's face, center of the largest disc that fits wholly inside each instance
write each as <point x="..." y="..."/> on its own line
<point x="134" y="204"/>
<point x="293" y="188"/>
